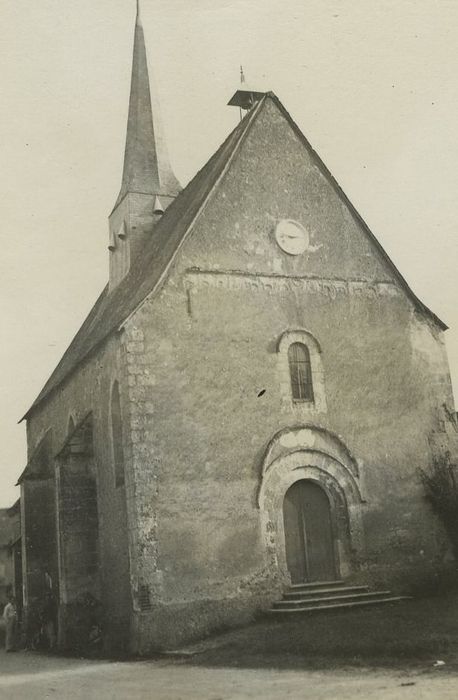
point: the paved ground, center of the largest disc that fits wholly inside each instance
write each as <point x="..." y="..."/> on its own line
<point x="27" y="675"/>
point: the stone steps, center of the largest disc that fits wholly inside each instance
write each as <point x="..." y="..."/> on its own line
<point x="330" y="595"/>
<point x="324" y="592"/>
<point x="317" y="584"/>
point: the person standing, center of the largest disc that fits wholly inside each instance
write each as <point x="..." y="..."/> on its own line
<point x="10" y="618"/>
<point x="50" y="620"/>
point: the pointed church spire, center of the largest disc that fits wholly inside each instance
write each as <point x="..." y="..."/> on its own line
<point x="148" y="184"/>
<point x="147" y="168"/>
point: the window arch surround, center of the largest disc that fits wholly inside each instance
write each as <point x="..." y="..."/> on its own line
<point x="301" y="372"/>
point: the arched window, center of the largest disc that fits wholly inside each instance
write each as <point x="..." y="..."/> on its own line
<point x="116" y="435"/>
<point x="300" y="371"/>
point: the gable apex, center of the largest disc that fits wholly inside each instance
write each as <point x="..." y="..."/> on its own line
<point x="250" y="120"/>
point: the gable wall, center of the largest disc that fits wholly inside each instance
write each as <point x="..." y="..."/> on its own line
<point x="209" y="345"/>
<point x="276" y="178"/>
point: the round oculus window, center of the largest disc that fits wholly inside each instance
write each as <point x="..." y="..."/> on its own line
<point x="291" y="237"/>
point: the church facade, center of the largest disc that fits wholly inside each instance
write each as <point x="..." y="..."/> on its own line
<point x="247" y="405"/>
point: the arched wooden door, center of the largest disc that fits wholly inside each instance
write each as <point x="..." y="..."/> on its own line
<point x="308" y="533"/>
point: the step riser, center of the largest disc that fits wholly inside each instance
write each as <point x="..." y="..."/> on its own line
<point x="317" y="584"/>
<point x="292" y="595"/>
<point x="337" y="606"/>
<point x="303" y="587"/>
<point x="331" y="601"/>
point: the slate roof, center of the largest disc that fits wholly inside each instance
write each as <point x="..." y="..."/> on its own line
<point x="15" y="509"/>
<point x="38" y="465"/>
<point x="110" y="310"/>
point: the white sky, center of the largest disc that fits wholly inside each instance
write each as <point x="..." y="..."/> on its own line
<point x="372" y="84"/>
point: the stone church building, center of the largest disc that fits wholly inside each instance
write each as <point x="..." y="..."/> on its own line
<point x="247" y="405"/>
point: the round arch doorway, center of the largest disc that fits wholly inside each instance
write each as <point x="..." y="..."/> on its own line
<point x="309" y="539"/>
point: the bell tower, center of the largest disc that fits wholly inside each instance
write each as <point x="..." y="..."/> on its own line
<point x="148" y="184"/>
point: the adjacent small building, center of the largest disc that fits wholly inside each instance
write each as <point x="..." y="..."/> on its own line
<point x="15" y="578"/>
<point x="11" y="554"/>
<point x="248" y="403"/>
<point x="5" y="575"/>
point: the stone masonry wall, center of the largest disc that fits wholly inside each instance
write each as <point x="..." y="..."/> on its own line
<point x="204" y="391"/>
<point x="202" y="351"/>
<point x="89" y="390"/>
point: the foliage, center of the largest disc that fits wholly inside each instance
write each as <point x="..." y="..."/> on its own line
<point x="441" y="485"/>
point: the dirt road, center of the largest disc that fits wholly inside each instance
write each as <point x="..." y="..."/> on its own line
<point x="27" y="675"/>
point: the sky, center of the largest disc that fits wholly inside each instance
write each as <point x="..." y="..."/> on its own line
<point x="371" y="83"/>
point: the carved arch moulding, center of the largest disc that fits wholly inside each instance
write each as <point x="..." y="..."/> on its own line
<point x="315" y="454"/>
